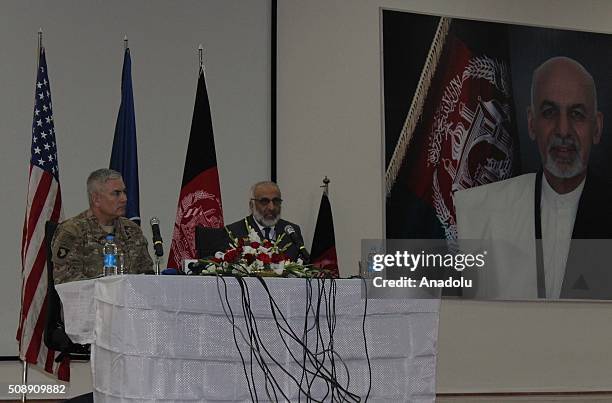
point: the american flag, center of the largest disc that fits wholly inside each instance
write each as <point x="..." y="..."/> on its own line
<point x="44" y="202"/>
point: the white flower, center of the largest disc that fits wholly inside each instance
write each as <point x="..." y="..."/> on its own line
<point x="219" y="255"/>
<point x="278" y="267"/>
<point x="299" y="261"/>
<point x="257" y="265"/>
<point x="248" y="250"/>
<point x="253" y="235"/>
<point x="267" y="251"/>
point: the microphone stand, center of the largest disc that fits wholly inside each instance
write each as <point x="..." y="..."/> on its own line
<point x="157" y="262"/>
<point x="157" y="244"/>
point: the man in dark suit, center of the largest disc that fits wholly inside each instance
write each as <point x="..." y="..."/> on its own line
<point x="265" y="205"/>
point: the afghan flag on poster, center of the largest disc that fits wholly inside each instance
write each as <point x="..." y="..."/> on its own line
<point x="323" y="253"/>
<point x="459" y="131"/>
<point x="200" y="197"/>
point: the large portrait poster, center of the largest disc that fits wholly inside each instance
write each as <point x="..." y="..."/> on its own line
<point x="456" y="99"/>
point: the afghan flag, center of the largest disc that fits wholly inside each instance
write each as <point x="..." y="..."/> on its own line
<point x="199" y="201"/>
<point x="458" y="128"/>
<point x="323" y="253"/>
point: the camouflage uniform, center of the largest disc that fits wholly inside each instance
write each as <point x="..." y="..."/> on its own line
<point x="77" y="248"/>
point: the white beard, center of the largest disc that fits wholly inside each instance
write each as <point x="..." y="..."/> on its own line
<point x="264" y="221"/>
<point x="576" y="166"/>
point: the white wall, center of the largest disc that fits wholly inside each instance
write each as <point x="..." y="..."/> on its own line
<point x="330" y="123"/>
<point x="84" y="43"/>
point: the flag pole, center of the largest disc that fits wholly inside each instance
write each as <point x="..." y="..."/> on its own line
<point x="39" y="46"/>
<point x="24" y="379"/>
<point x="325" y="185"/>
<point x="24" y="363"/>
<point x="201" y="56"/>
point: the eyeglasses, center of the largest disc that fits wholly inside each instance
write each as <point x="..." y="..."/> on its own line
<point x="264" y="201"/>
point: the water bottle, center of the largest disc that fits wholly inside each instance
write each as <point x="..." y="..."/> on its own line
<point x="109" y="251"/>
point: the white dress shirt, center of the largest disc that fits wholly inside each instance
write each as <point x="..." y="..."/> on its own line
<point x="272" y="232"/>
<point x="558" y="213"/>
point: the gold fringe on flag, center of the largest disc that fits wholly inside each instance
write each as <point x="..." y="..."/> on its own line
<point x="416" y="107"/>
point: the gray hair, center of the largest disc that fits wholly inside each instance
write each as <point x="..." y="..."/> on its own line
<point x="262" y="183"/>
<point x="97" y="178"/>
<point x="542" y="68"/>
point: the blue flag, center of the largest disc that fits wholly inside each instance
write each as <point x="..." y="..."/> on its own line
<point x="124" y="157"/>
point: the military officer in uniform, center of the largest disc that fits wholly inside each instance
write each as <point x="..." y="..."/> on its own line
<point x="77" y="243"/>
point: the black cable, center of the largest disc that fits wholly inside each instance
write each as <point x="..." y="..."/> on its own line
<point x="232" y="321"/>
<point x="330" y="310"/>
<point x="318" y="335"/>
<point x="305" y="340"/>
<point x="274" y="308"/>
<point x="288" y="349"/>
<point x="317" y="360"/>
<point x="302" y="363"/>
<point x="322" y="368"/>
<point x="256" y="341"/>
<point x="365" y="342"/>
<point x="331" y="327"/>
<point x="316" y="328"/>
<point x="265" y="368"/>
<point x="245" y="308"/>
<point x="304" y="377"/>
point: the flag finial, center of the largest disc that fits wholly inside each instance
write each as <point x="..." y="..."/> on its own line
<point x="201" y="55"/>
<point x="39" y="41"/>
<point x="125" y="42"/>
<point x="325" y="185"/>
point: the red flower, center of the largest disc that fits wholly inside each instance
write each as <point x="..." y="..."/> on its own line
<point x="250" y="258"/>
<point x="230" y="256"/>
<point x="263" y="258"/>
<point x="255" y="245"/>
<point x="276" y="258"/>
<point x="240" y="242"/>
<point x="216" y="260"/>
<point x="267" y="244"/>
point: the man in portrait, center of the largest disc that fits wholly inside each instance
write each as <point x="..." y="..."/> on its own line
<point x="546" y="229"/>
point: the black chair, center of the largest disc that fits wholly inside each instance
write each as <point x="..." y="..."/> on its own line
<point x="55" y="334"/>
<point x="209" y="241"/>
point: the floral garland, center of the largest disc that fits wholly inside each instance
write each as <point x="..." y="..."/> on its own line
<point x="252" y="256"/>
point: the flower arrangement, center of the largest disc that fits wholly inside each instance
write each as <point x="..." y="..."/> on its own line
<point x="252" y="256"/>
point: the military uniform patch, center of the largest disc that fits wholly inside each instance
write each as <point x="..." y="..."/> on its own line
<point x="62" y="252"/>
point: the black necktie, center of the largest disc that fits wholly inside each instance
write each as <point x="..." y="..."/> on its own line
<point x="267" y="233"/>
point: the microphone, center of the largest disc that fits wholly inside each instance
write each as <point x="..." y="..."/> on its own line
<point x="195" y="267"/>
<point x="290" y="231"/>
<point x="158" y="245"/>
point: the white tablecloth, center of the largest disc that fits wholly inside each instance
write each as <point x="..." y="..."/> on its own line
<point x="167" y="338"/>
